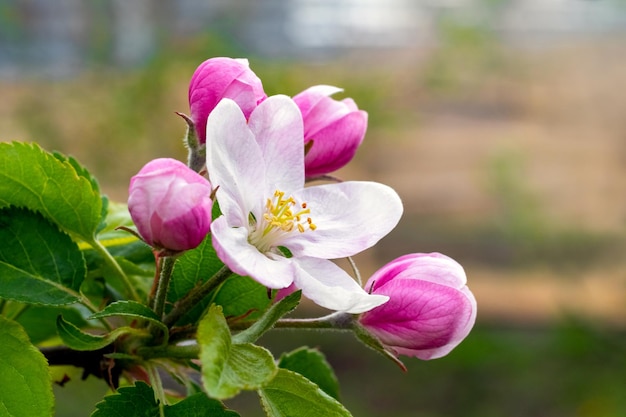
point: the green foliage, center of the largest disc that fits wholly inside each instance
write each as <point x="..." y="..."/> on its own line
<point x="76" y="339"/>
<point x="238" y="296"/>
<point x="26" y="386"/>
<point x="139" y="401"/>
<point x="132" y="310"/>
<point x="228" y="368"/>
<point x="312" y="364"/>
<point x="265" y="323"/>
<point x="32" y="178"/>
<point x="198" y="405"/>
<point x="38" y="263"/>
<point x="291" y="394"/>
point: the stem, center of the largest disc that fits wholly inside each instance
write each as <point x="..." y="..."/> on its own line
<point x="110" y="260"/>
<point x="167" y="266"/>
<point x="357" y="274"/>
<point x="157" y="385"/>
<point x="194" y="296"/>
<point x="335" y="321"/>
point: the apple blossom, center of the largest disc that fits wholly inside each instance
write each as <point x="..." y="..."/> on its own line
<point x="218" y="78"/>
<point x="275" y="230"/>
<point x="430" y="309"/>
<point x="336" y="129"/>
<point x="170" y="204"/>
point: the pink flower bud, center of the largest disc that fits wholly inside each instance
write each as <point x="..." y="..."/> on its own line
<point x="336" y="128"/>
<point x="430" y="309"/>
<point x="170" y="204"/>
<point x="219" y="78"/>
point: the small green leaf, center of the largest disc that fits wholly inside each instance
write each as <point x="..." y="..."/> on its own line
<point x="52" y="186"/>
<point x="242" y="296"/>
<point x="238" y="296"/>
<point x="291" y="394"/>
<point x="226" y="368"/>
<point x="130" y="309"/>
<point x="135" y="401"/>
<point x="265" y="323"/>
<point x="76" y="339"/>
<point x="374" y="342"/>
<point x="199" y="405"/>
<point x="39" y="264"/>
<point x="134" y="310"/>
<point x="24" y="378"/>
<point x="312" y="364"/>
<point x="139" y="401"/>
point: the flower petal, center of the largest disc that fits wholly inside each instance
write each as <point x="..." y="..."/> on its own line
<point x="335" y="144"/>
<point x="309" y="99"/>
<point x="422" y="318"/>
<point x="331" y="287"/>
<point x="234" y="163"/>
<point x="277" y="125"/>
<point x="232" y="247"/>
<point x="434" y="267"/>
<point x="350" y="217"/>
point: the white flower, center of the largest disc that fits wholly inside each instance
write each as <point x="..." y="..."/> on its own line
<point x="275" y="230"/>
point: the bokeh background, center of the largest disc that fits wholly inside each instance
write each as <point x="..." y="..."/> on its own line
<point x="501" y="123"/>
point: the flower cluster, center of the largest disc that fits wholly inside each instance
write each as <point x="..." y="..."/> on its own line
<point x="262" y="153"/>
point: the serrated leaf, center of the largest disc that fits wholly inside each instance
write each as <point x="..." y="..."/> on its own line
<point x="227" y="368"/>
<point x="39" y="264"/>
<point x="139" y="401"/>
<point x="199" y="405"/>
<point x="76" y="339"/>
<point x="267" y="321"/>
<point x="291" y="394"/>
<point x="242" y="296"/>
<point x="194" y="266"/>
<point x="35" y="179"/>
<point x="80" y="170"/>
<point x="131" y="309"/>
<point x="238" y="296"/>
<point x="24" y="378"/>
<point x="312" y="364"/>
<point x="135" y="401"/>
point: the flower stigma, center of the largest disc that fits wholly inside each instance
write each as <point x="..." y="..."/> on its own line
<point x="282" y="215"/>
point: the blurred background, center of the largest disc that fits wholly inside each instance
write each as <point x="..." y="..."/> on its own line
<point x="501" y="123"/>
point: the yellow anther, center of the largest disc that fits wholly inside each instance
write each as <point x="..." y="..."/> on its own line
<point x="279" y="214"/>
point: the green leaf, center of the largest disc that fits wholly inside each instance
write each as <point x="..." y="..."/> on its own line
<point x="228" y="368"/>
<point x="39" y="264"/>
<point x="40" y="321"/>
<point x="76" y="339"/>
<point x="131" y="309"/>
<point x="238" y="296"/>
<point x="265" y="323"/>
<point x="199" y="405"/>
<point x="35" y="179"/>
<point x="135" y="401"/>
<point x="369" y="339"/>
<point x="139" y="401"/>
<point x="312" y="364"/>
<point x="242" y="296"/>
<point x="80" y="170"/>
<point x="291" y="394"/>
<point x="24" y="378"/>
<point x="194" y="266"/>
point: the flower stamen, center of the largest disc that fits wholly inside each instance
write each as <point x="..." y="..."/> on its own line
<point x="280" y="215"/>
